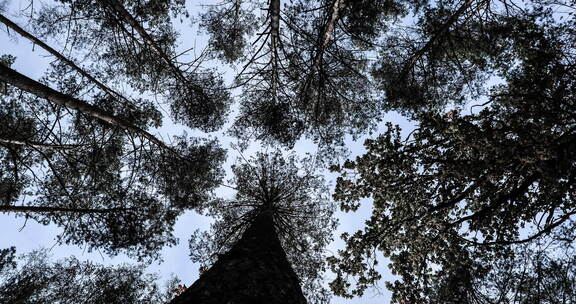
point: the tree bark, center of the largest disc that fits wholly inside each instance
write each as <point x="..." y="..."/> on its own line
<point x="325" y="39"/>
<point x="254" y="271"/>
<point x="328" y="33"/>
<point x="61" y="57"/>
<point x="124" y="15"/>
<point x="29" y="85"/>
<point x="274" y="12"/>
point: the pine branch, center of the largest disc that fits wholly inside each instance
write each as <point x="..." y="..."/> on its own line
<point x="122" y="13"/>
<point x="29" y="85"/>
<point x="61" y="57"/>
<point x="36" y="209"/>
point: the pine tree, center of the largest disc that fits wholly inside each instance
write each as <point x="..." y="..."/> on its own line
<point x="36" y="279"/>
<point x="475" y="205"/>
<point x="78" y="152"/>
<point x="489" y="167"/>
<point x="301" y="71"/>
<point x="267" y="244"/>
<point x="254" y="270"/>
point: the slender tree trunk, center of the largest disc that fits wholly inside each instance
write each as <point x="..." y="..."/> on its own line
<point x="254" y="271"/>
<point x="328" y="33"/>
<point x="274" y="11"/>
<point x="61" y="57"/>
<point x="325" y="39"/>
<point x="29" y="85"/>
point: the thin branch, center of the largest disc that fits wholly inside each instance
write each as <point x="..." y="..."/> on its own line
<point x="126" y="16"/>
<point x="61" y="57"/>
<point x="38" y="145"/>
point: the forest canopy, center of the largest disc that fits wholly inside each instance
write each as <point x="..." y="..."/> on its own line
<point x="472" y="201"/>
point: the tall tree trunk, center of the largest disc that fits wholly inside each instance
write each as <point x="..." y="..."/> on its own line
<point x="254" y="271"/>
<point x="325" y="38"/>
<point x="53" y="52"/>
<point x="274" y="12"/>
<point x="29" y="85"/>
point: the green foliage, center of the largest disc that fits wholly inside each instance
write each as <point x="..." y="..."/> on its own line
<point x="228" y="25"/>
<point x="108" y="188"/>
<point x="38" y="280"/>
<point x="7" y="259"/>
<point x="6" y="60"/>
<point x="124" y="193"/>
<point x="118" y="54"/>
<point x="476" y="205"/>
<point x="302" y="213"/>
<point x="303" y="74"/>
<point x="488" y="169"/>
<point x="14" y="124"/>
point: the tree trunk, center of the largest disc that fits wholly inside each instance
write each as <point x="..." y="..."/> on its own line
<point x="254" y="271"/>
<point x="29" y="85"/>
<point x="125" y="16"/>
<point x="53" y="52"/>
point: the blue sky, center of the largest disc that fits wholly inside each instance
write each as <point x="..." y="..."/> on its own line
<point x="27" y="236"/>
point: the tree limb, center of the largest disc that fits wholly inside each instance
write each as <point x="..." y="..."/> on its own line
<point x="126" y="16"/>
<point x="61" y="57"/>
<point x="38" y="145"/>
<point x="29" y="85"/>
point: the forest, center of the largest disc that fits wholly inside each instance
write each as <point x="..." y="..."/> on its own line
<point x="289" y="151"/>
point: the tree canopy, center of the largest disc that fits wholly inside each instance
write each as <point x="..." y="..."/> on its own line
<point x="301" y="210"/>
<point x="302" y="67"/>
<point x="476" y="204"/>
<point x="77" y="152"/>
<point x="490" y="165"/>
<point x="36" y="279"/>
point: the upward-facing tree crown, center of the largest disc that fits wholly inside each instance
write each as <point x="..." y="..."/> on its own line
<point x="484" y="181"/>
<point x="488" y="173"/>
<point x="76" y="148"/>
<point x="302" y="213"/>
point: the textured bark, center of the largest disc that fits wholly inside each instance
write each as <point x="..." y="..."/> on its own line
<point x="124" y="15"/>
<point x="274" y="12"/>
<point x="325" y="39"/>
<point x="328" y="33"/>
<point x="254" y="271"/>
<point x="29" y="85"/>
<point x="61" y="57"/>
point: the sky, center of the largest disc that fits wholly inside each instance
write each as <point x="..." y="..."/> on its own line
<point x="30" y="235"/>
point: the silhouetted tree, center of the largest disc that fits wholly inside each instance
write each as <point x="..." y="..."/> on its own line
<point x="458" y="194"/>
<point x="38" y="280"/>
<point x="135" y="42"/>
<point x="459" y="204"/>
<point x="301" y="72"/>
<point x="78" y="153"/>
<point x="269" y="240"/>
